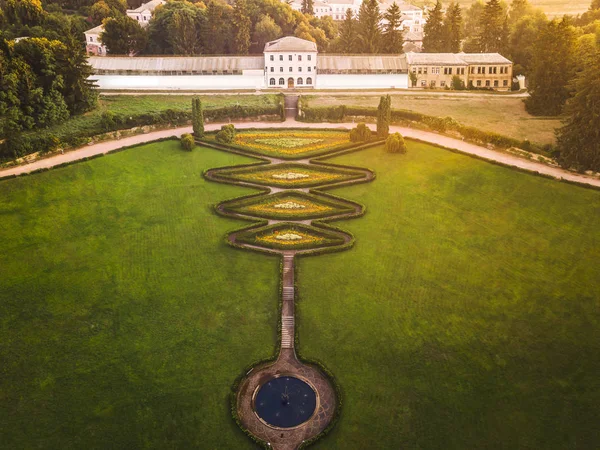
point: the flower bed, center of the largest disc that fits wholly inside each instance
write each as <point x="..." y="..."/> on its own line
<point x="289" y="206"/>
<point x="290" y="236"/>
<point x="290" y="175"/>
<point x="287" y="144"/>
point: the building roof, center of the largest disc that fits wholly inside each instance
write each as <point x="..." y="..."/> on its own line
<point x="413" y="36"/>
<point x="150" y="6"/>
<point x="176" y="63"/>
<point x="443" y="59"/>
<point x="290" y="44"/>
<point x="484" y="58"/>
<point x="96" y="30"/>
<point x="362" y="62"/>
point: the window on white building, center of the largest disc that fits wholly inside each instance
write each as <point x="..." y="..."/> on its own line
<point x="309" y="57"/>
<point x="309" y="68"/>
<point x="272" y="69"/>
<point x="281" y="69"/>
<point x="299" y="69"/>
<point x="280" y="57"/>
<point x="309" y="80"/>
<point x="299" y="80"/>
<point x="272" y="82"/>
<point x="272" y="58"/>
<point x="299" y="57"/>
<point x="290" y="57"/>
<point x="290" y="69"/>
<point x="281" y="82"/>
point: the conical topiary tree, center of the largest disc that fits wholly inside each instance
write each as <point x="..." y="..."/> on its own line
<point x="197" y="117"/>
<point x="384" y="116"/>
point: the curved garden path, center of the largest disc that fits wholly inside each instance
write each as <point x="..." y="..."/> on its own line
<point x="426" y="136"/>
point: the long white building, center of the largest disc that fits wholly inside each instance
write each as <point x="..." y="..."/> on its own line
<point x="294" y="63"/>
<point x="287" y="63"/>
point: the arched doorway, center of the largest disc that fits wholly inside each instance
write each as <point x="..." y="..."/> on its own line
<point x="290" y="83"/>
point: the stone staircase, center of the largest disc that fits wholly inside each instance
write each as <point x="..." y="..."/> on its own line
<point x="287" y="331"/>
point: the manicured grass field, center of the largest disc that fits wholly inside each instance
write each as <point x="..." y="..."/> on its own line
<point x="467" y="316"/>
<point x="498" y="114"/>
<point x="124" y="316"/>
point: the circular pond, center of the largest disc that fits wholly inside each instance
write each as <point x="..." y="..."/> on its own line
<point x="285" y="402"/>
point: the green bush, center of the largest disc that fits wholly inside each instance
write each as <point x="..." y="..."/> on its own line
<point x="226" y="135"/>
<point x="361" y="133"/>
<point x="395" y="143"/>
<point x="197" y="117"/>
<point x="458" y="84"/>
<point x="187" y="142"/>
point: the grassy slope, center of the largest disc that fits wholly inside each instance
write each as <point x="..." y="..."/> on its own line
<point x="140" y="104"/>
<point x="467" y="316"/>
<point x="499" y="114"/>
<point x="124" y="317"/>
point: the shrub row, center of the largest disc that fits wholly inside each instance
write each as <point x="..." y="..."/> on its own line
<point x="21" y="145"/>
<point x="441" y="124"/>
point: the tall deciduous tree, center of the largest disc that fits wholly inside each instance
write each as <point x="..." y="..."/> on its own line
<point x="392" y="36"/>
<point x="241" y="25"/>
<point x="369" y="29"/>
<point x="266" y="30"/>
<point x="518" y="10"/>
<point x="123" y="36"/>
<point x="348" y="40"/>
<point x="453" y="24"/>
<point x="522" y="40"/>
<point x="494" y="28"/>
<point x="579" y="138"/>
<point x="25" y="12"/>
<point x="217" y="29"/>
<point x="433" y="30"/>
<point x="184" y="33"/>
<point x="307" y="7"/>
<point x="553" y="68"/>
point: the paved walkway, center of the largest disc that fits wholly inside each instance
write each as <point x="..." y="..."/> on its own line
<point x="433" y="138"/>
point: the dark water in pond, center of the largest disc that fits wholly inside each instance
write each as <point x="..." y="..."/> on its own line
<point x="285" y="402"/>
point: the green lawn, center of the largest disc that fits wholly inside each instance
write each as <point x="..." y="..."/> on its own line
<point x="497" y="114"/>
<point x="124" y="317"/>
<point x="467" y="316"/>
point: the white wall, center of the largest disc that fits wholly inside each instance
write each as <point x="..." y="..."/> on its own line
<point x="179" y="82"/>
<point x="399" y="81"/>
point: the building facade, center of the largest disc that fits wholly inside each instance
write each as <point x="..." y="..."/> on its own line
<point x="290" y="62"/>
<point x="479" y="70"/>
<point x="294" y="63"/>
<point x="93" y="44"/>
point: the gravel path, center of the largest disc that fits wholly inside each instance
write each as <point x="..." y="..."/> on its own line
<point x="433" y="138"/>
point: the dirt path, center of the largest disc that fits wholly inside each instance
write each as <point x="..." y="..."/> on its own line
<point x="433" y="138"/>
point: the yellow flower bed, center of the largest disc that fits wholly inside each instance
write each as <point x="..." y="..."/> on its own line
<point x="316" y="141"/>
<point x="305" y="238"/>
<point x="314" y="177"/>
<point x="279" y="206"/>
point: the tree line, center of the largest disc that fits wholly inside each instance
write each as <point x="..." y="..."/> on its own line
<point x="43" y="78"/>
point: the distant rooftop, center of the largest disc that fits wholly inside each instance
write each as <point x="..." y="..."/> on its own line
<point x="150" y="6"/>
<point x="157" y="64"/>
<point x="333" y="62"/>
<point x="446" y="59"/>
<point x="290" y="44"/>
<point x="96" y="30"/>
<point x="484" y="58"/>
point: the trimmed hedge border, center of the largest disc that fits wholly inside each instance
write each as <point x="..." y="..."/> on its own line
<point x="25" y="144"/>
<point x="339" y="113"/>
